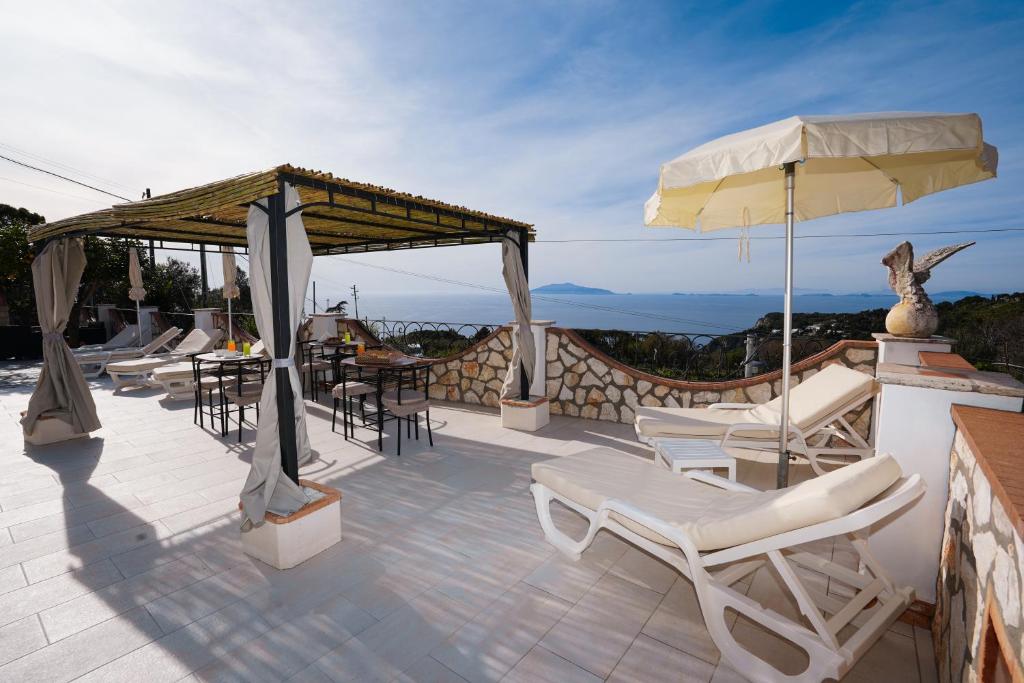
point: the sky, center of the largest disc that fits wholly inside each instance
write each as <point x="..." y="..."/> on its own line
<point x="554" y="113"/>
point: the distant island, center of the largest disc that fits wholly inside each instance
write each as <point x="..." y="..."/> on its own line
<point x="569" y="288"/>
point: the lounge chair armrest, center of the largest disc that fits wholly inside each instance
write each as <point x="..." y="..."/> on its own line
<point x="646" y="519"/>
<point x="715" y="480"/>
<point x="733" y="406"/>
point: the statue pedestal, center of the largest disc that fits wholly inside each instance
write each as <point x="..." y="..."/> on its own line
<point x="905" y="350"/>
<point x="285" y="542"/>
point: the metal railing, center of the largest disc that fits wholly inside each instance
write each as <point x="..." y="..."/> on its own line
<point x="676" y="355"/>
<point x="700" y="357"/>
<point x="428" y="339"/>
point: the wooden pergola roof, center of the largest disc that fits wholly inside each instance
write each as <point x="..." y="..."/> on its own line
<point x="340" y="216"/>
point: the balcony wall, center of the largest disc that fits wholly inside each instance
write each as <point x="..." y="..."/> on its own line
<point x="581" y="381"/>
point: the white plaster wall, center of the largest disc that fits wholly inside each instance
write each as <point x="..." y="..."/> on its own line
<point x="915" y="426"/>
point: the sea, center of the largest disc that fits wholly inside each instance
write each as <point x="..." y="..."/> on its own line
<point x="695" y="313"/>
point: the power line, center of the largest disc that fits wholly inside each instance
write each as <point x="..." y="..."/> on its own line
<point x="641" y="240"/>
<point x="47" y="189"/>
<point x="68" y="167"/>
<point x="62" y="177"/>
<point x="535" y="297"/>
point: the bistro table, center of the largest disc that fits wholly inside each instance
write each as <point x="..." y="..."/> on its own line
<point x="331" y="351"/>
<point x="390" y="371"/>
<point x="224" y="364"/>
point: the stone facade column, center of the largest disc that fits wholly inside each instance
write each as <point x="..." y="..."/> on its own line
<point x="146" y="323"/>
<point x="204" y="319"/>
<point x="104" y="315"/>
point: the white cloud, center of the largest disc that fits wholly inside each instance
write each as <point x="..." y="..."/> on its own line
<point x="554" y="114"/>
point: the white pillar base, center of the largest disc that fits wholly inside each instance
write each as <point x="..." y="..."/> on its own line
<point x="324" y="325"/>
<point x="285" y="542"/>
<point x="146" y="323"/>
<point x="526" y="416"/>
<point x="51" y="429"/>
<point x="904" y="350"/>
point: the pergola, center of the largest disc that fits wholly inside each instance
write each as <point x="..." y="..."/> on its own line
<point x="338" y="216"/>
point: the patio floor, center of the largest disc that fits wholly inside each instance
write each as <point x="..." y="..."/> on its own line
<point x="120" y="559"/>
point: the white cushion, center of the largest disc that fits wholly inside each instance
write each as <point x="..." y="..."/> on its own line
<point x="142" y="364"/>
<point x="712" y="518"/>
<point x="813" y="400"/>
<point x="179" y="370"/>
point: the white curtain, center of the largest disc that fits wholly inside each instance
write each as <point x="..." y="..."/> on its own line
<point x="267" y="488"/>
<point x="61" y="390"/>
<point x="519" y="291"/>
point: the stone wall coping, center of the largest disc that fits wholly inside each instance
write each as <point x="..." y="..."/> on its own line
<point x="767" y="377"/>
<point x="994" y="437"/>
<point x="892" y="338"/>
<point x="949" y="379"/>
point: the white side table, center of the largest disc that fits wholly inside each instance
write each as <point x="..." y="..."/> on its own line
<point x="693" y="454"/>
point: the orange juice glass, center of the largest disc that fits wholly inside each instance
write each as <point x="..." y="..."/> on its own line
<point x="231" y="345"/>
<point x="360" y="348"/>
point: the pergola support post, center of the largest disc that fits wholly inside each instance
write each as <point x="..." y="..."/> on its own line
<point x="282" y="333"/>
<point x="202" y="274"/>
<point x="524" y="241"/>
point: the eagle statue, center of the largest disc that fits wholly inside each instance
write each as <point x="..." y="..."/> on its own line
<point x="915" y="315"/>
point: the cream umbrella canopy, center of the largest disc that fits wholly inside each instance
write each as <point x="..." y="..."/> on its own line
<point x="231" y="290"/>
<point x="136" y="293"/>
<point x="807" y="167"/>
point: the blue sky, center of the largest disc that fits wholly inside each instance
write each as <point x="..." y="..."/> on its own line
<point x="554" y="113"/>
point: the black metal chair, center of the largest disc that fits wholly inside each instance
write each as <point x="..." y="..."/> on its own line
<point x="410" y="398"/>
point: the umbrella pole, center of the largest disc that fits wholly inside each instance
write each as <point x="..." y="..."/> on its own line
<point x="782" y="476"/>
<point x="138" y="323"/>
<point x="230" y="333"/>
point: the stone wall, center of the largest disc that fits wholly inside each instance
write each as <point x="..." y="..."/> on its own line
<point x="476" y="375"/>
<point x="581" y="381"/>
<point x="982" y="562"/>
<point x="584" y="382"/>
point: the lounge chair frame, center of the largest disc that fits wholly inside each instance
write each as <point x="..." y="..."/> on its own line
<point x="95" y="364"/>
<point x="144" y="377"/>
<point x="811" y="443"/>
<point x="827" y="656"/>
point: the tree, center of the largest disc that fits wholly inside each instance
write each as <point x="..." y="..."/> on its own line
<point x="17" y="302"/>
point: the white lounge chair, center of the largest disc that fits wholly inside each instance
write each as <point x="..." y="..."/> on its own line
<point x="123" y="339"/>
<point x="178" y="380"/>
<point x="137" y="371"/>
<point x="94" y="363"/>
<point x="817" y="407"/>
<point x="715" y="532"/>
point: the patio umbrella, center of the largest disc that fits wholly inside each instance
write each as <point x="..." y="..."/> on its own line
<point x="61" y="390"/>
<point x="806" y="167"/>
<point x="266" y="489"/>
<point x="136" y="293"/>
<point x="231" y="290"/>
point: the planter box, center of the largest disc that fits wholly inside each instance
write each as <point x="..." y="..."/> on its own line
<point x="527" y="416"/>
<point x="285" y="542"/>
<point x="51" y="429"/>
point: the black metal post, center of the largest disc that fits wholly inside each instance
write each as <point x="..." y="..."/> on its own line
<point x="524" y="383"/>
<point x="152" y="254"/>
<point x="202" y="274"/>
<point x="283" y="333"/>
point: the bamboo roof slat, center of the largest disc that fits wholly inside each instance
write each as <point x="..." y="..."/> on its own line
<point x="342" y="215"/>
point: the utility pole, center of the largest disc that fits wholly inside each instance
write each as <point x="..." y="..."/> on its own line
<point x="314" y="297"/>
<point x="355" y="300"/>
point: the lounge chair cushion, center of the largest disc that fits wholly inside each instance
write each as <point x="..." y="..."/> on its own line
<point x="712" y="518"/>
<point x="813" y="400"/>
<point x="142" y="364"/>
<point x="172" y="371"/>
